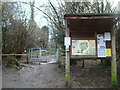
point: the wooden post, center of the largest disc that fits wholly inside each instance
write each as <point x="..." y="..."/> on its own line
<point x="67" y="60"/>
<point x="113" y="64"/>
<point x="27" y="61"/>
<point x="59" y="55"/>
<point x="40" y="52"/>
<point x="83" y="64"/>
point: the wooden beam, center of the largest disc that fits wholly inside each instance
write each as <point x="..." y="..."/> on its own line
<point x="26" y="55"/>
<point x="113" y="63"/>
<point x="92" y="18"/>
<point x="15" y="55"/>
<point x="89" y="58"/>
<point x="67" y="60"/>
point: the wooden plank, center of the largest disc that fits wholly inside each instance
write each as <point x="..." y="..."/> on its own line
<point x="83" y="38"/>
<point x="82" y="34"/>
<point x="101" y="25"/>
<point x="113" y="65"/>
<point x="90" y="16"/>
<point x="90" y="57"/>
<point x="14" y="54"/>
<point x="89" y="29"/>
<point x="26" y="55"/>
<point x="87" y="23"/>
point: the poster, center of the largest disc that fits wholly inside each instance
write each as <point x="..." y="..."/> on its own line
<point x="101" y="45"/>
<point x="108" y="52"/>
<point x="107" y="36"/>
<point x="67" y="43"/>
<point x="83" y="47"/>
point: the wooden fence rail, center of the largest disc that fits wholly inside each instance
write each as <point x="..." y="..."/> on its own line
<point x="26" y="55"/>
<point x="15" y="55"/>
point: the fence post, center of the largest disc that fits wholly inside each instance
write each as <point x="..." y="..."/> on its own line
<point x="56" y="54"/>
<point x="27" y="59"/>
<point x="59" y="55"/>
<point x="40" y="51"/>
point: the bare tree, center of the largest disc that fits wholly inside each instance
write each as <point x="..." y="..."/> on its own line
<point x="57" y="12"/>
<point x="22" y="30"/>
<point x="14" y="27"/>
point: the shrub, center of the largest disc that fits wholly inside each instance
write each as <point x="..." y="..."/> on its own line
<point x="12" y="61"/>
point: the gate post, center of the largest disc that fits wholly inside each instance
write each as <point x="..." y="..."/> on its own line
<point x="113" y="63"/>
<point x="39" y="51"/>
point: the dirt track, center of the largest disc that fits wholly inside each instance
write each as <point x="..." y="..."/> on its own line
<point x="50" y="76"/>
<point x="34" y="76"/>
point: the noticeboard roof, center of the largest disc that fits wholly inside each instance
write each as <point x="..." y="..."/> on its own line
<point x="90" y="22"/>
<point x="99" y="15"/>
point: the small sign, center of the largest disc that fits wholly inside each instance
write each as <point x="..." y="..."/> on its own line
<point x="67" y="41"/>
<point x="67" y="48"/>
<point x="108" y="52"/>
<point x="107" y="36"/>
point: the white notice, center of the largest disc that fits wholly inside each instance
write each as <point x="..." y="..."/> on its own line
<point x="107" y="36"/>
<point x="67" y="41"/>
<point x="101" y="45"/>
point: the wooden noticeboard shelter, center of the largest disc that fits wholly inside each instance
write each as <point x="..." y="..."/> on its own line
<point x="91" y="36"/>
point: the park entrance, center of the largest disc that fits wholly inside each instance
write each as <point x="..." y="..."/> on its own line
<point x="42" y="55"/>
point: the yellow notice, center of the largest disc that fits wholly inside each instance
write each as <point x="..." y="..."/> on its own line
<point x="108" y="52"/>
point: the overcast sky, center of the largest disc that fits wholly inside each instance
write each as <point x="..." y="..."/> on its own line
<point x="39" y="15"/>
<point x="40" y="20"/>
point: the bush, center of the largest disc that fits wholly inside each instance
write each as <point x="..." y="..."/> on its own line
<point x="11" y="61"/>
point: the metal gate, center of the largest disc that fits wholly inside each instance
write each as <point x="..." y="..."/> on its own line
<point x="39" y="55"/>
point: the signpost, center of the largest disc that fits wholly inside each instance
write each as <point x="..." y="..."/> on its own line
<point x="67" y="58"/>
<point x="113" y="63"/>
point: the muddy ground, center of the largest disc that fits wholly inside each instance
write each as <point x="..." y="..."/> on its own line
<point x="34" y="76"/>
<point x="93" y="75"/>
